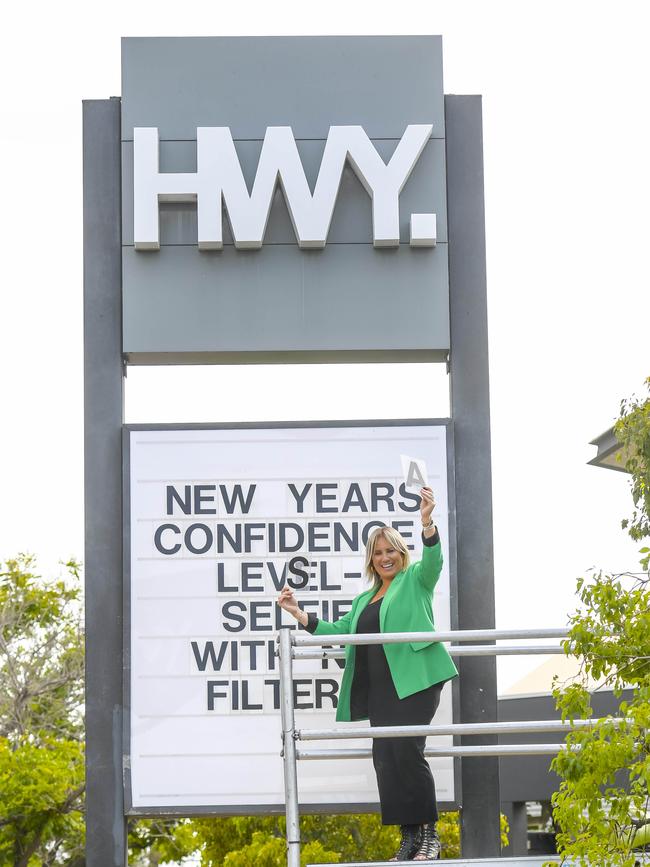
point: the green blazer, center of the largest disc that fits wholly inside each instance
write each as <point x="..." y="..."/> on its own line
<point x="407" y="607"/>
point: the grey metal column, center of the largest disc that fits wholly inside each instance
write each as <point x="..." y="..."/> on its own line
<point x="103" y="414"/>
<point x="515" y="813"/>
<point x="470" y="410"/>
<point x="289" y="749"/>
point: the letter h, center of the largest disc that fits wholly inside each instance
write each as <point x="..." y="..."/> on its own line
<point x="151" y="186"/>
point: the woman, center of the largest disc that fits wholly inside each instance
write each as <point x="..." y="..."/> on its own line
<point x="395" y="684"/>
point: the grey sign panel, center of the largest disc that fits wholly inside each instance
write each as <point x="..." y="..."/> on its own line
<point x="349" y="301"/>
<point x="309" y="83"/>
<point x="263" y="299"/>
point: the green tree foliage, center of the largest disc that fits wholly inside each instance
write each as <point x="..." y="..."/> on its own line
<point x="41" y="722"/>
<point x="633" y="432"/>
<point x="248" y="841"/>
<point x="269" y="851"/>
<point x="40" y="802"/>
<point x="602" y="807"/>
<point x="159" y="841"/>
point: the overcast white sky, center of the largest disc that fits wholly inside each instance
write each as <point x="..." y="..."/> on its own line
<point x="567" y="183"/>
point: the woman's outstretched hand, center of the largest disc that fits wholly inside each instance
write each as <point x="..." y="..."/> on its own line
<point x="287" y="601"/>
<point x="427" y="505"/>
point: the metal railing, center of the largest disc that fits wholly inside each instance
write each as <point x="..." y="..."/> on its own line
<point x="290" y="648"/>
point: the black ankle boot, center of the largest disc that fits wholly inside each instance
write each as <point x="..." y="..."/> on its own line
<point x="411" y="837"/>
<point x="430" y="846"/>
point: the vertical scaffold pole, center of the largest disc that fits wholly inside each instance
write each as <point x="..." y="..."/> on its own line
<point x="289" y="749"/>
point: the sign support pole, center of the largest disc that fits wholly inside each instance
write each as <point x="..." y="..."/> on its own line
<point x="106" y="830"/>
<point x="289" y="749"/>
<point x="470" y="410"/>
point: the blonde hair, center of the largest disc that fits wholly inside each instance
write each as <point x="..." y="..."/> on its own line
<point x="394" y="538"/>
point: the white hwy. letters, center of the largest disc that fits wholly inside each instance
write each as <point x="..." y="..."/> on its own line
<point x="219" y="177"/>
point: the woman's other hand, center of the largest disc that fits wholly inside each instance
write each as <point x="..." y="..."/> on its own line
<point x="427" y="505"/>
<point x="287" y="601"/>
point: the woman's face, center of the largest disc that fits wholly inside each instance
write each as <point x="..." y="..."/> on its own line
<point x="386" y="560"/>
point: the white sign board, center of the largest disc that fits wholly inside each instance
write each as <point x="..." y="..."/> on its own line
<point x="219" y="520"/>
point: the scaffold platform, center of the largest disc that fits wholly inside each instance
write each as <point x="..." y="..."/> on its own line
<point x="528" y="861"/>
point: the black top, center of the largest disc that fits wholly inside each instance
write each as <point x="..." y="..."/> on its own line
<point x="370" y="664"/>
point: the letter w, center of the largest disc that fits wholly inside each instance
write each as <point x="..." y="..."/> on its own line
<point x="219" y="178"/>
<point x="201" y="658"/>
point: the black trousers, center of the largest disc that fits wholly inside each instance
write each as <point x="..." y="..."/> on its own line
<point x="407" y="792"/>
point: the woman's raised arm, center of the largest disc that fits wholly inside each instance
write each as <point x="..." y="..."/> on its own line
<point x="428" y="570"/>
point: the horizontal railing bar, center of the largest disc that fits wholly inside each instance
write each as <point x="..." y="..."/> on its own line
<point x="471" y="650"/>
<point x="445" y="752"/>
<point x="301" y="640"/>
<point x="502" y="728"/>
